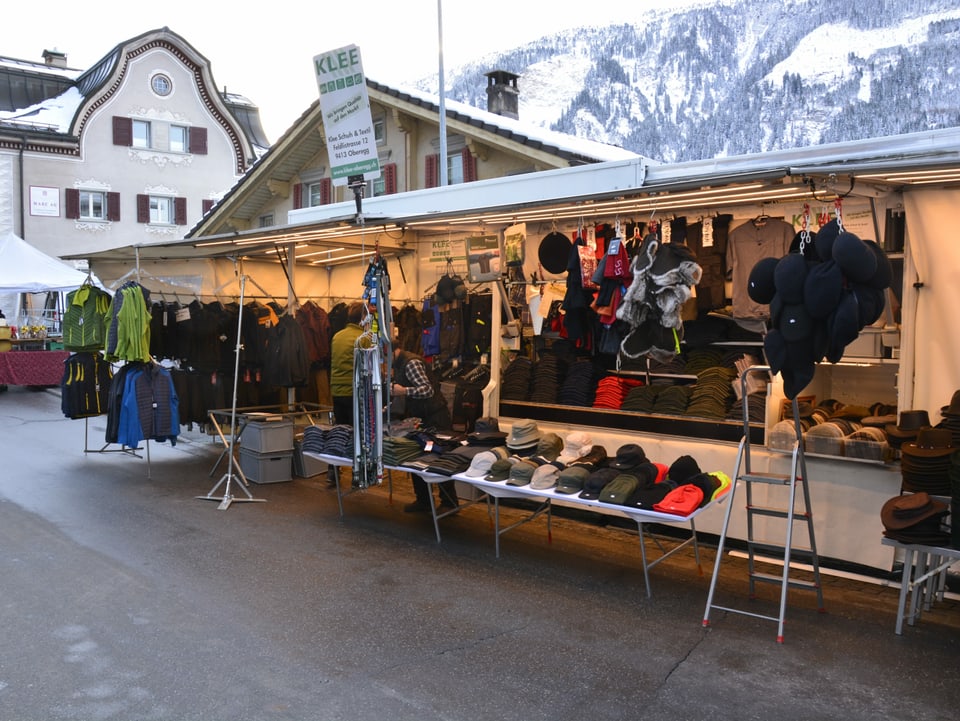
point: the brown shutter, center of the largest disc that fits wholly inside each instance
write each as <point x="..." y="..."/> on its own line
<point x="469" y="166"/>
<point x="113" y="206"/>
<point x="298" y="196"/>
<point x="207" y="205"/>
<point x="122" y="131"/>
<point x="197" y="141"/>
<point x="326" y="191"/>
<point x="180" y="211"/>
<point x="390" y="178"/>
<point x="71" y="197"/>
<point x="431" y="171"/>
<point x="143" y="208"/>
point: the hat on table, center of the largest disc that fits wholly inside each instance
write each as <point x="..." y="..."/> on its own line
<point x="571" y="478"/>
<point x="481" y="463"/>
<point x="521" y="473"/>
<point x="576" y="445"/>
<point x="628" y="456"/>
<point x="544" y="477"/>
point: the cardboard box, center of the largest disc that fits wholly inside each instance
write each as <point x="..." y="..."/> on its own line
<point x="266" y="467"/>
<point x="267" y="436"/>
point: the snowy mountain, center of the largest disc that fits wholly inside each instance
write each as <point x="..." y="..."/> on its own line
<point x="732" y="77"/>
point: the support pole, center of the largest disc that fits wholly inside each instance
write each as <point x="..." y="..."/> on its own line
<point x="228" y="478"/>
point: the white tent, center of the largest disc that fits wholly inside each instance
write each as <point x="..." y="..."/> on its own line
<point x="24" y="269"/>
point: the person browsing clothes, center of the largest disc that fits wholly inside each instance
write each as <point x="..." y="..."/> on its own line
<point x="422" y="399"/>
<point x="341" y="364"/>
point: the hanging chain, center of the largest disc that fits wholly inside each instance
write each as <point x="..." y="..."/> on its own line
<point x="838" y="209"/>
<point x="805" y="229"/>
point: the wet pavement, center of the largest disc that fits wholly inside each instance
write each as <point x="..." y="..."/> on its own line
<point x="124" y="596"/>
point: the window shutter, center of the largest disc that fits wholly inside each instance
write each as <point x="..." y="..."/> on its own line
<point x="72" y="200"/>
<point x="197" y="140"/>
<point x="469" y="166"/>
<point x="326" y="191"/>
<point x="298" y="196"/>
<point x="207" y="205"/>
<point x="431" y="171"/>
<point x="122" y="131"/>
<point x="143" y="208"/>
<point x="390" y="178"/>
<point x="113" y="206"/>
<point x="180" y="211"/>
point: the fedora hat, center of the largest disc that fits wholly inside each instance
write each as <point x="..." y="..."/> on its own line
<point x="909" y="425"/>
<point x="907" y="510"/>
<point x="954" y="408"/>
<point x="930" y="443"/>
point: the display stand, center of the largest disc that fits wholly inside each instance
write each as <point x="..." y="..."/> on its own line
<point x="228" y="478"/>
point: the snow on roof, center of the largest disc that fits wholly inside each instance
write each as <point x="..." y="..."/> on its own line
<point x="570" y="143"/>
<point x="33" y="67"/>
<point x="52" y="114"/>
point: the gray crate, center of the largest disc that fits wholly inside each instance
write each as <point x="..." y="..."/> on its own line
<point x="267" y="436"/>
<point x="305" y="465"/>
<point x="266" y="467"/>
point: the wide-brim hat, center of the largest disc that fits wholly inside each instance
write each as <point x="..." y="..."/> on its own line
<point x="554" y="252"/>
<point x="909" y="425"/>
<point x="954" y="408"/>
<point x="903" y="511"/>
<point x="930" y="443"/>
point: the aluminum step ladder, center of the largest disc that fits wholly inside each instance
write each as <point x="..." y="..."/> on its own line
<point x="764" y="551"/>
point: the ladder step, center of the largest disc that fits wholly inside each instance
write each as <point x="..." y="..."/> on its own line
<point x="778" y="512"/>
<point x="792" y="582"/>
<point x="778" y="479"/>
<point x="776" y="552"/>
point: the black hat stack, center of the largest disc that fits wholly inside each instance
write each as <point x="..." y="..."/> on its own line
<point x="819" y="302"/>
<point x="951" y="418"/>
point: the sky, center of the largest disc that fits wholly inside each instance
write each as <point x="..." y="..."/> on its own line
<point x="268" y="57"/>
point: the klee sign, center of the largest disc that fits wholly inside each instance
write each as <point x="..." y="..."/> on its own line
<point x="345" y="107"/>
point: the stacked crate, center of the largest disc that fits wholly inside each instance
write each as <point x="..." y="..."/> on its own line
<point x="266" y="451"/>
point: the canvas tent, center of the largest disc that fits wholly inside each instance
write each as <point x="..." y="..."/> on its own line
<point x="24" y="269"/>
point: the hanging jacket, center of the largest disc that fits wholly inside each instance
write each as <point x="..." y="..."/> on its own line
<point x="85" y="318"/>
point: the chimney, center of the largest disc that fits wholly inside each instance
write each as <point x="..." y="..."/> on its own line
<point x="55" y="59"/>
<point x="503" y="96"/>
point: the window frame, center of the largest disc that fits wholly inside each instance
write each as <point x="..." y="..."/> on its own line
<point x="138" y="138"/>
<point x="156" y="211"/>
<point x="184" y="140"/>
<point x="86" y="200"/>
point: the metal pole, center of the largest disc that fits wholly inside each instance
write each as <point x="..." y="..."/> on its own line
<point x="443" y="103"/>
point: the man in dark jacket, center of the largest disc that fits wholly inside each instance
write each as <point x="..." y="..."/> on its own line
<point x="423" y="400"/>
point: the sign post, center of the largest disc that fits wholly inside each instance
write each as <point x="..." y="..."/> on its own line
<point x="347" y="124"/>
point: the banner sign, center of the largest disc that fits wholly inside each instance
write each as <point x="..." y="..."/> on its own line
<point x="345" y="106"/>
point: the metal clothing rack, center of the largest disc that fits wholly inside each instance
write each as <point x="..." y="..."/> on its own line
<point x="229" y="479"/>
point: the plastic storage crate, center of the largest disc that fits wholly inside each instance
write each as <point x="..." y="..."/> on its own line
<point x="306" y="466"/>
<point x="267" y="436"/>
<point x="266" y="467"/>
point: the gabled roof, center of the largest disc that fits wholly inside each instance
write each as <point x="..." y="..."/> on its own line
<point x="302" y="141"/>
<point x="61" y="100"/>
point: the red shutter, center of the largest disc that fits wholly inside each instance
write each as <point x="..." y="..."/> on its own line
<point x="72" y="200"/>
<point x="122" y="131"/>
<point x="469" y="166"/>
<point x="431" y="171"/>
<point x="207" y="205"/>
<point x="180" y="211"/>
<point x="197" y="140"/>
<point x="113" y="206"/>
<point x="298" y="196"/>
<point x="143" y="208"/>
<point x="326" y="191"/>
<point x="390" y="178"/>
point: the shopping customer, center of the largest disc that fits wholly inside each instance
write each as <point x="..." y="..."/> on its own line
<point x="422" y="399"/>
<point x="341" y="364"/>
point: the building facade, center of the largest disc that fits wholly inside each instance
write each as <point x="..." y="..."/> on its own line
<point x="131" y="151"/>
